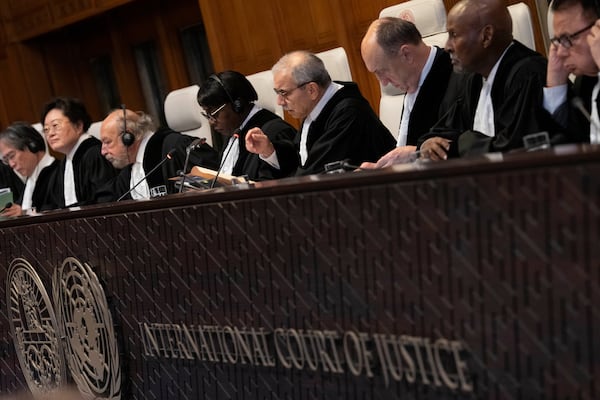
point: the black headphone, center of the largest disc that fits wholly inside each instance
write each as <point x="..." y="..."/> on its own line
<point x="33" y="146"/>
<point x="235" y="104"/>
<point x="20" y="131"/>
<point x="126" y="137"/>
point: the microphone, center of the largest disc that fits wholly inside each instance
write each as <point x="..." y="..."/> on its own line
<point x="168" y="156"/>
<point x="578" y="104"/>
<point x="8" y="205"/>
<point x="193" y="146"/>
<point x="236" y="135"/>
<point x="339" y="166"/>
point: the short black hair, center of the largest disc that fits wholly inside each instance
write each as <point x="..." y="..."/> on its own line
<point x="74" y="110"/>
<point x="21" y="135"/>
<point x="227" y="87"/>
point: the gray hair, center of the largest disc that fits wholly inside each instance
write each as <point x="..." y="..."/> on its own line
<point x="139" y="125"/>
<point x="392" y="33"/>
<point x="305" y="67"/>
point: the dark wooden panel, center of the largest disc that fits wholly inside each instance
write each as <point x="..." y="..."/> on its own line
<point x="497" y="256"/>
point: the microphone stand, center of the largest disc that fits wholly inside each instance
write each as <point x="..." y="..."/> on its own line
<point x="236" y="135"/>
<point x="168" y="156"/>
<point x="191" y="147"/>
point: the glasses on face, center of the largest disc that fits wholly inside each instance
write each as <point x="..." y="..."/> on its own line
<point x="286" y="93"/>
<point x="566" y="41"/>
<point x="9" y="157"/>
<point x="212" y="116"/>
<point x="55" y="126"/>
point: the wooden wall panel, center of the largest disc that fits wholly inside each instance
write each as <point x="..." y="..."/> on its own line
<point x="242" y="35"/>
<point x="248" y="36"/>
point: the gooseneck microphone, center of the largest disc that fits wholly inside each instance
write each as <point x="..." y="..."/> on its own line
<point x="193" y="146"/>
<point x="168" y="156"/>
<point x="236" y="135"/>
<point x="578" y="104"/>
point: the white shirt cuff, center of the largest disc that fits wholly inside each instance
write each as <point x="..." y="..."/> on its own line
<point x="272" y="160"/>
<point x="554" y="97"/>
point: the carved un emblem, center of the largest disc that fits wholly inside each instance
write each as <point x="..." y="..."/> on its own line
<point x="34" y="327"/>
<point x="82" y="320"/>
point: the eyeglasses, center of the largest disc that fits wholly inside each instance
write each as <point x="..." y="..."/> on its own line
<point x="9" y="157"/>
<point x="286" y="93"/>
<point x="55" y="126"/>
<point x="212" y="116"/>
<point x="566" y="41"/>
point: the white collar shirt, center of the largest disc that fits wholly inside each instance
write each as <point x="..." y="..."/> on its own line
<point x="411" y="98"/>
<point x="484" y="114"/>
<point x="70" y="192"/>
<point x="27" y="202"/>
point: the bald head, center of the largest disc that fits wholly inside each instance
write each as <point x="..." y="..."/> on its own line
<point x="479" y="32"/>
<point x="394" y="51"/>
<point x="479" y="13"/>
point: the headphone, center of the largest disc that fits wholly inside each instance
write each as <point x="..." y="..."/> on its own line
<point x="126" y="137"/>
<point x="33" y="147"/>
<point x="20" y="131"/>
<point x="235" y="104"/>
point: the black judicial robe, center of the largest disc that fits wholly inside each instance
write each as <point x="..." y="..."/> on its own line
<point x="281" y="135"/>
<point x="574" y="125"/>
<point x="426" y="108"/>
<point x="346" y="129"/>
<point x="161" y="142"/>
<point x="8" y="179"/>
<point x="517" y="99"/>
<point x="91" y="172"/>
<point x="42" y="192"/>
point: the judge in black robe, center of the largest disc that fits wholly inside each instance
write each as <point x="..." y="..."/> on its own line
<point x="281" y="134"/>
<point x="338" y="124"/>
<point x="573" y="124"/>
<point x="517" y="94"/>
<point x="91" y="172"/>
<point x="348" y="129"/>
<point x="574" y="51"/>
<point x="65" y="121"/>
<point x="481" y="46"/>
<point x="163" y="141"/>
<point x="228" y="100"/>
<point x="426" y="108"/>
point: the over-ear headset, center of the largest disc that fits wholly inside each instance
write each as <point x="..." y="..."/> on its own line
<point x="126" y="137"/>
<point x="235" y="104"/>
<point x="33" y="146"/>
<point x="21" y="132"/>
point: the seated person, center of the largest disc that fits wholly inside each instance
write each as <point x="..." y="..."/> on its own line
<point x="228" y="102"/>
<point x="394" y="51"/>
<point x="23" y="149"/>
<point x="83" y="171"/>
<point x="498" y="99"/>
<point x="574" y="50"/>
<point x="131" y="143"/>
<point x="337" y="121"/>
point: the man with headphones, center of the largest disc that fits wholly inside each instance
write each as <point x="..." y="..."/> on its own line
<point x="24" y="150"/>
<point x="131" y="143"/>
<point x="228" y="102"/>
